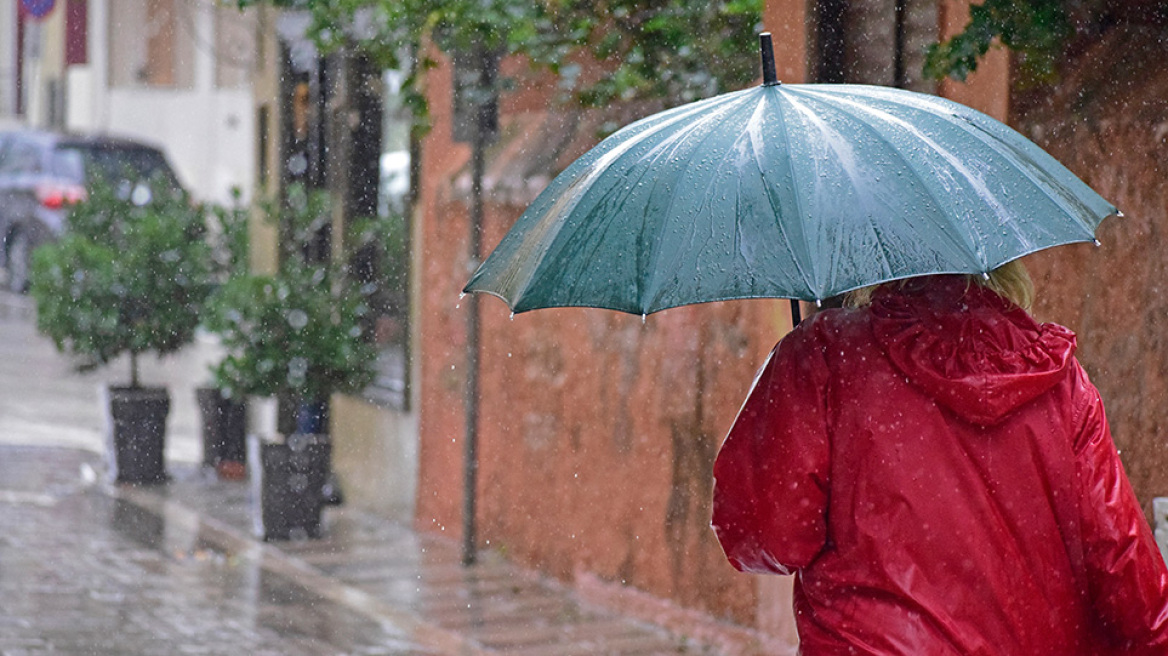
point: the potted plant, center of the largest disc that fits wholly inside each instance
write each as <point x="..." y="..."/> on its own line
<point x="129" y="276"/>
<point x="297" y="335"/>
<point x="223" y="415"/>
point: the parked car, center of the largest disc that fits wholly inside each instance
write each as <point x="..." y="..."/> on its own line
<point x="42" y="173"/>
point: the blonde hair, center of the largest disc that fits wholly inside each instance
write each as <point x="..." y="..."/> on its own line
<point x="1010" y="281"/>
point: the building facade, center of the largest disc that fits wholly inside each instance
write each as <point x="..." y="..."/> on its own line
<point x="177" y="73"/>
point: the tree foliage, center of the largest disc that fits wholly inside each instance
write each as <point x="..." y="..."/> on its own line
<point x="1041" y="32"/>
<point x="677" y="50"/>
<point x="297" y="331"/>
<point x="1036" y="29"/>
<point x="127" y="277"/>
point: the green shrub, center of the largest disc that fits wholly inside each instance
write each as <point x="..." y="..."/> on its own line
<point x="297" y="332"/>
<point x="125" y="278"/>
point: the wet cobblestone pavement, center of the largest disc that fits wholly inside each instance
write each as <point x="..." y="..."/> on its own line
<point x="91" y="568"/>
<point x="172" y="569"/>
<point x="83" y="571"/>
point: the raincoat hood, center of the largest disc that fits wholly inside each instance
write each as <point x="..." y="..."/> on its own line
<point x="938" y="471"/>
<point x="971" y="350"/>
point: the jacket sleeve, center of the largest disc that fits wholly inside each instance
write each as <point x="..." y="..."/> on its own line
<point x="771" y="475"/>
<point x="1127" y="578"/>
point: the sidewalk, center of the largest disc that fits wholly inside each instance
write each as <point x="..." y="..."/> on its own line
<point x="91" y="568"/>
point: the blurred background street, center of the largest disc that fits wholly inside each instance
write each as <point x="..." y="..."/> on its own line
<point x="367" y="156"/>
<point x="45" y="401"/>
<point x="91" y="568"/>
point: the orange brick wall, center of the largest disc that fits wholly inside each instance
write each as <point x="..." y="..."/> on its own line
<point x="597" y="431"/>
<point x="1108" y="123"/>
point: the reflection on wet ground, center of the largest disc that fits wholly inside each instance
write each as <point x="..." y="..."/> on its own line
<point x="95" y="569"/>
<point x="88" y="568"/>
<point x="87" y="573"/>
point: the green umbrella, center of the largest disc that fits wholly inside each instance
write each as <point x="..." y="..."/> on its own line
<point x="799" y="191"/>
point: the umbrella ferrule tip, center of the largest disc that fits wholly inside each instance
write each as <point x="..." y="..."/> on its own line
<point x="1098" y="243"/>
<point x="985" y="275"/>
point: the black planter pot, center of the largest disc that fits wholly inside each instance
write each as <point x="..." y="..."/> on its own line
<point x="224" y="428"/>
<point x="138" y="432"/>
<point x="289" y="477"/>
<point x="312" y="418"/>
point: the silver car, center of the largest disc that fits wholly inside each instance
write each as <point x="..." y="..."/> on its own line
<point x="43" y="173"/>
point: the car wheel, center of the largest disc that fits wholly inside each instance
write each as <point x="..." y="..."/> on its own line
<point x="19" y="257"/>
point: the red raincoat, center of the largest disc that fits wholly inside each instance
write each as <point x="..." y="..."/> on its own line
<point x="937" y="472"/>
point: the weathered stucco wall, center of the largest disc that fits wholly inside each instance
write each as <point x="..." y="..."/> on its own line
<point x="1108" y="122"/>
<point x="598" y="431"/>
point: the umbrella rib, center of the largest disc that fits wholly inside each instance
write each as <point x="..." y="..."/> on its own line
<point x="882" y="254"/>
<point x="588" y="177"/>
<point x="970" y="249"/>
<point x="1007" y="151"/>
<point x="653" y="272"/>
<point x="808" y="282"/>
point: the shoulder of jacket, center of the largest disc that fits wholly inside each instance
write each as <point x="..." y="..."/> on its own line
<point x="1086" y="405"/>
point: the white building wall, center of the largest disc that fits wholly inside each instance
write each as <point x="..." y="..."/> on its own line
<point x="208" y="132"/>
<point x="208" y="136"/>
<point x="7" y="61"/>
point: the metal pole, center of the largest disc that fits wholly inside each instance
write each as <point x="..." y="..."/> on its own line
<point x="471" y="402"/>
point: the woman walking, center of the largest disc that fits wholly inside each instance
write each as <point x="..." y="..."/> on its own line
<point x="936" y="470"/>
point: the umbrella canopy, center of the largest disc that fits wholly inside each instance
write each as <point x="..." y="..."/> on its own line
<point x="798" y="191"/>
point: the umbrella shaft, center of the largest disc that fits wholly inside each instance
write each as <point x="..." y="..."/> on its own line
<point x="767" y="50"/>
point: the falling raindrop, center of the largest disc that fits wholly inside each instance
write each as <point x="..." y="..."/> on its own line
<point x="297" y="319"/>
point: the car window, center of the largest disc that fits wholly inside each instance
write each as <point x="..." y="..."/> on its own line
<point x="114" y="163"/>
<point x="67" y="164"/>
<point x="21" y="157"/>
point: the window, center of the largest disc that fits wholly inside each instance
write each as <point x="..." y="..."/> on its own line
<point x="235" y="46"/>
<point x="152" y="43"/>
<point x="384" y="267"/>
